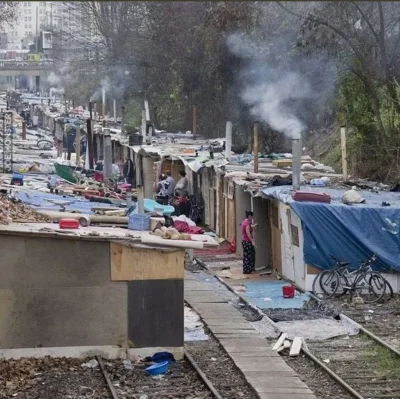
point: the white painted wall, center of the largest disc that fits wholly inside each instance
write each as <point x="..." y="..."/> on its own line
<point x="300" y="268"/>
<point x="293" y="266"/>
<point x="286" y="242"/>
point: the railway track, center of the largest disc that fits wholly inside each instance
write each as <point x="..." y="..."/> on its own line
<point x="185" y="379"/>
<point x="366" y="365"/>
<point x="382" y="321"/>
<point x="366" y="368"/>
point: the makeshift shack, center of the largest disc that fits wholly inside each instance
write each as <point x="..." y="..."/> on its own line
<point x="91" y="293"/>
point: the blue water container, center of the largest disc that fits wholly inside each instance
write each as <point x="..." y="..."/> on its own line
<point x="139" y="222"/>
<point x="17" y="179"/>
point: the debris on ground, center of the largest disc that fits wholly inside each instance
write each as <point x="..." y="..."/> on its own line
<point x="13" y="211"/>
<point x="91" y="364"/>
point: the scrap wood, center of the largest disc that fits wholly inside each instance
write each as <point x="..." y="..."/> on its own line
<point x="280" y="342"/>
<point x="286" y="345"/>
<point x="296" y="346"/>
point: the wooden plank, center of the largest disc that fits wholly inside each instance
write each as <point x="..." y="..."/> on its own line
<point x="280" y="342"/>
<point x="133" y="263"/>
<point x="296" y="346"/>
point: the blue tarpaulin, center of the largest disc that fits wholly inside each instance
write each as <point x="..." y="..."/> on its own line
<point x="350" y="233"/>
<point x="268" y="295"/>
<point x="39" y="200"/>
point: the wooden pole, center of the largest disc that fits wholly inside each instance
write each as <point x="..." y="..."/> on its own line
<point x="103" y="102"/>
<point x="89" y="144"/>
<point x="143" y="129"/>
<point x="78" y="145"/>
<point x="107" y="148"/>
<point x="194" y="129"/>
<point x="139" y="183"/>
<point x="23" y="130"/>
<point x="255" y="147"/>
<point x="122" y="120"/>
<point x="344" y="152"/>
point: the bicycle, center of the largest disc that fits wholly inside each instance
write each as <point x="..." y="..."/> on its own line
<point x="361" y="281"/>
<point x="330" y="281"/>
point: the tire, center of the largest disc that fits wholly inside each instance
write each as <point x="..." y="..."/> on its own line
<point x="44" y="144"/>
<point x="388" y="288"/>
<point x="329" y="282"/>
<point x="376" y="287"/>
<point x="316" y="289"/>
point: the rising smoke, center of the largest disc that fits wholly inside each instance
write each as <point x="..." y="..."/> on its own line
<point x="277" y="91"/>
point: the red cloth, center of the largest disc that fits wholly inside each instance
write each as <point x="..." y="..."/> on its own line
<point x="232" y="247"/>
<point x="195" y="230"/>
<point x="183" y="227"/>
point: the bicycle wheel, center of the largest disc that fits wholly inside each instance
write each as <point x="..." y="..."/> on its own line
<point x="44" y="144"/>
<point x="389" y="289"/>
<point x="376" y="287"/>
<point x="329" y="283"/>
<point x="316" y="288"/>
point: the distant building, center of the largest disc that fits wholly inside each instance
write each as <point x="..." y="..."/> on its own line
<point x="34" y="16"/>
<point x="3" y="41"/>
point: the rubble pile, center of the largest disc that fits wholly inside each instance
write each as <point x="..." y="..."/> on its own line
<point x="13" y="211"/>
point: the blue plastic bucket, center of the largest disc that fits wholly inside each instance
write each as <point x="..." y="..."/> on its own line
<point x="158" y="368"/>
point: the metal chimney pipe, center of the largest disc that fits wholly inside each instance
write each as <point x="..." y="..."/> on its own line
<point x="255" y="146"/>
<point x="228" y="140"/>
<point x="296" y="163"/>
<point x="107" y="153"/>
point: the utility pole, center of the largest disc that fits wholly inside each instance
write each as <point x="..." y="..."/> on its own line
<point x="255" y="146"/>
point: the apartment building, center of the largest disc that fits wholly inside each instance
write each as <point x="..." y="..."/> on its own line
<point x="34" y="16"/>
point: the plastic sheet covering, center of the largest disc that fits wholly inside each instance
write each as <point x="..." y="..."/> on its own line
<point x="351" y="233"/>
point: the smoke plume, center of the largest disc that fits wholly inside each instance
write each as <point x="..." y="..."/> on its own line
<point x="278" y="91"/>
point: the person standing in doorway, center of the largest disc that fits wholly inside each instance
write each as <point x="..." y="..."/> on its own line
<point x="248" y="243"/>
<point x="129" y="172"/>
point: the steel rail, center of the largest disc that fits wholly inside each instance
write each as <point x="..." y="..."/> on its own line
<point x="341" y="382"/>
<point x="305" y="349"/>
<point x="370" y="334"/>
<point x="206" y="381"/>
<point x="107" y="378"/>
